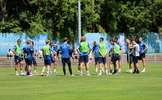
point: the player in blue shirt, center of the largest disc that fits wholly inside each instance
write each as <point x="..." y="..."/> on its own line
<point x="47" y="54"/>
<point x="66" y="51"/>
<point x="34" y="59"/>
<point x="83" y="51"/>
<point x="95" y="51"/>
<point x="143" y="48"/>
<point x="130" y="61"/>
<point x="121" y="50"/>
<point x="16" y="50"/>
<point x="29" y="51"/>
<point x="53" y="60"/>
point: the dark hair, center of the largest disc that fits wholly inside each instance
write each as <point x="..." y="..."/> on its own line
<point x="102" y="38"/>
<point x="32" y="43"/>
<point x="132" y="40"/>
<point x="18" y="40"/>
<point x="112" y="40"/>
<point x="65" y="39"/>
<point x="94" y="42"/>
<point x="9" y="49"/>
<point x="116" y="38"/>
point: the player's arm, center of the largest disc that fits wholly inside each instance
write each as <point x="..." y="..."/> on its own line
<point x="146" y="47"/>
<point x="42" y="54"/>
<point x="78" y="50"/>
<point x="54" y="45"/>
<point x="90" y="50"/>
<point x="14" y="51"/>
<point x="58" y="52"/>
<point x="131" y="51"/>
<point x="70" y="53"/>
<point x="130" y="47"/>
<point x="121" y="50"/>
<point x="105" y="53"/>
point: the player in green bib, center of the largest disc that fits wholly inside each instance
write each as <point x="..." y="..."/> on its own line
<point x="83" y="52"/>
<point x="17" y="51"/>
<point x="47" y="54"/>
<point x="102" y="49"/>
<point x="115" y="57"/>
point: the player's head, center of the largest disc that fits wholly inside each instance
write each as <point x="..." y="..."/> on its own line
<point x="116" y="38"/>
<point x="115" y="41"/>
<point x="140" y="39"/>
<point x="18" y="41"/>
<point x="40" y="48"/>
<point x="127" y="41"/>
<point x="83" y="38"/>
<point x="133" y="42"/>
<point x="51" y="43"/>
<point x="101" y="39"/>
<point x="47" y="41"/>
<point x="29" y="42"/>
<point x="35" y="50"/>
<point x="65" y="39"/>
<point x="95" y="43"/>
<point x="9" y="49"/>
<point x="112" y="42"/>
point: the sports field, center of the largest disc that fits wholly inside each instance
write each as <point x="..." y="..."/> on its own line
<point x="124" y="86"/>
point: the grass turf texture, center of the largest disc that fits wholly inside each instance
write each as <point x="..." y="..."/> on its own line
<point x="123" y="86"/>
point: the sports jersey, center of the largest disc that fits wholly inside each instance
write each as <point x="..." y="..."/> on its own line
<point x="65" y="47"/>
<point x="130" y="50"/>
<point x="95" y="50"/>
<point x="136" y="49"/>
<point x="47" y="57"/>
<point x="83" y="53"/>
<point x="142" y="46"/>
<point x="119" y="45"/>
<point x="28" y="50"/>
<point x="54" y="48"/>
<point x="17" y="50"/>
<point x="99" y="47"/>
<point x="117" y="49"/>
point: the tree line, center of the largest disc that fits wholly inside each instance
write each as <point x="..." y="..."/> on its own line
<point x="59" y="18"/>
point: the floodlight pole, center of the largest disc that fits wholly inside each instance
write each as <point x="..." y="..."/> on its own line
<point x="79" y="21"/>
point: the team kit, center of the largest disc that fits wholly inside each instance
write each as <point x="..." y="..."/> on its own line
<point x="135" y="52"/>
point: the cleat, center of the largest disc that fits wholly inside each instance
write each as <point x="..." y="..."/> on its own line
<point x="22" y="73"/>
<point x="143" y="71"/>
<point x="81" y="75"/>
<point x="41" y="75"/>
<point x="99" y="74"/>
<point x="88" y="75"/>
<point x="48" y="75"/>
<point x="130" y="72"/>
<point x="78" y="70"/>
<point x="96" y="70"/>
<point x="103" y="71"/>
<point x="50" y="72"/>
<point x="64" y="75"/>
<point x="25" y="74"/>
<point x="110" y="73"/>
<point x="16" y="74"/>
<point x="127" y="71"/>
<point x="35" y="73"/>
<point x="115" y="74"/>
<point x="119" y="69"/>
<point x="72" y="75"/>
<point x="55" y="72"/>
<point x="134" y="72"/>
<point x="30" y="75"/>
<point x="107" y="74"/>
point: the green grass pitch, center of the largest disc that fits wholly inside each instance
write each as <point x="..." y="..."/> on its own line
<point x="124" y="86"/>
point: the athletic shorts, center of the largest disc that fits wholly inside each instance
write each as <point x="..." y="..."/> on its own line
<point x="17" y="59"/>
<point x="102" y="60"/>
<point x="34" y="61"/>
<point x="47" y="62"/>
<point x="96" y="59"/>
<point x="130" y="58"/>
<point x="29" y="61"/>
<point x="66" y="60"/>
<point x="26" y="60"/>
<point x="53" y="60"/>
<point x="83" y="58"/>
<point x="115" y="58"/>
<point x="142" y="55"/>
<point x="119" y="57"/>
<point x="135" y="59"/>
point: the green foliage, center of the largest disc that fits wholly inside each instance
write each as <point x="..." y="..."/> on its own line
<point x="59" y="18"/>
